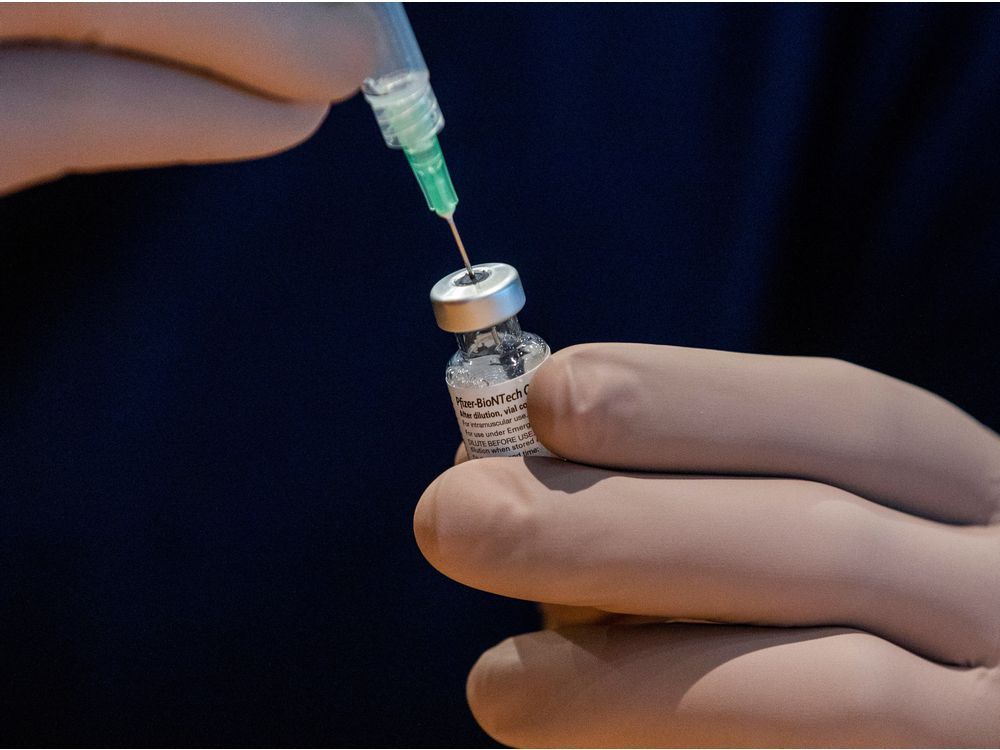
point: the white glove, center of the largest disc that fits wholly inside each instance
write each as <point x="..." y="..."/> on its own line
<point x="842" y="525"/>
<point x="95" y="86"/>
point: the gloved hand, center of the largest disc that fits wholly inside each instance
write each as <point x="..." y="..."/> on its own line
<point x="87" y="87"/>
<point x="832" y="529"/>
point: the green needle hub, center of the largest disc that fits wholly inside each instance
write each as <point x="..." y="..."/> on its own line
<point x="427" y="162"/>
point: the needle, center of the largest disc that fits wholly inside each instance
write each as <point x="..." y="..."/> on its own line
<point x="461" y="246"/>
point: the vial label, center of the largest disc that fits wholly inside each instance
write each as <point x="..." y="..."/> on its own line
<point x="494" y="419"/>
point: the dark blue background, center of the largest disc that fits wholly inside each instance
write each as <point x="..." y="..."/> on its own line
<point x="222" y="391"/>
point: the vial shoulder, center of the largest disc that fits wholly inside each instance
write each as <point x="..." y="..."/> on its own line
<point x="525" y="356"/>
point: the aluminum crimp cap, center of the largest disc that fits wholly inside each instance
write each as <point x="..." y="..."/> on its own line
<point x="461" y="306"/>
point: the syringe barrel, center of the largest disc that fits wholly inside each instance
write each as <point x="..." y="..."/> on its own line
<point x="399" y="89"/>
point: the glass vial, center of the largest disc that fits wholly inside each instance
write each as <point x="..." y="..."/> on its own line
<point x="489" y="376"/>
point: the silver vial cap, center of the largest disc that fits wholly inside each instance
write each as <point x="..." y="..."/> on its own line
<point x="461" y="306"/>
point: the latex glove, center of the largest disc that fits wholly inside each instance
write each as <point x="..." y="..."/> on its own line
<point x="88" y="87"/>
<point x="860" y="571"/>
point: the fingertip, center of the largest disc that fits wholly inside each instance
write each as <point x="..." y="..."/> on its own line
<point x="441" y="521"/>
<point x="512" y="686"/>
<point x="329" y="49"/>
<point x="292" y="126"/>
<point x="355" y="37"/>
<point x="491" y="689"/>
<point x="471" y="519"/>
<point x="549" y="397"/>
<point x="425" y="521"/>
<point x="563" y="397"/>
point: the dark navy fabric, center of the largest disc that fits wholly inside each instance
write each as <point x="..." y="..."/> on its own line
<point x="221" y="387"/>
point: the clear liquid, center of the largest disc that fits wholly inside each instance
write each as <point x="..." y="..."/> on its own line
<point x="500" y="358"/>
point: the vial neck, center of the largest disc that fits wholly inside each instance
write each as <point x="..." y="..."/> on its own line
<point x="498" y="339"/>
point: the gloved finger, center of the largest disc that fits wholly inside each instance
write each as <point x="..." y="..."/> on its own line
<point x="740" y="550"/>
<point x="557" y="615"/>
<point x="317" y="52"/>
<point x="70" y="110"/>
<point x="666" y="408"/>
<point x="712" y="686"/>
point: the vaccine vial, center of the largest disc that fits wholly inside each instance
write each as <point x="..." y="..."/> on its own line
<point x="490" y="375"/>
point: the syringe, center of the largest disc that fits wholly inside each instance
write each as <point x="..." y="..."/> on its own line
<point x="400" y="94"/>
